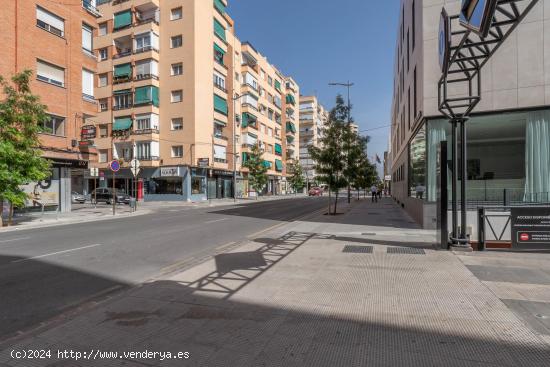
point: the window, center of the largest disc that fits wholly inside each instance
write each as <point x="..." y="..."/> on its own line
<point x="218" y="54"/>
<point x="269" y="131"/>
<point x="50" y="22"/>
<point x="87" y="39"/>
<point x="103" y="54"/>
<point x="270" y="114"/>
<point x="103" y="131"/>
<point x="147" y="121"/>
<point x="177" y="69"/>
<point x="220" y="153"/>
<point x="102" y="29"/>
<point x="103" y="104"/>
<point x="220" y="105"/>
<point x="177" y="123"/>
<point x="50" y="73"/>
<point x="146" y="69"/>
<point x="54" y="125"/>
<point x="176" y="41"/>
<point x="176" y="96"/>
<point x="103" y="80"/>
<point x="417" y="165"/>
<point x="270" y="80"/>
<point x="87" y="84"/>
<point x="175" y="13"/>
<point x="177" y="151"/>
<point x="146" y="95"/>
<point x="122" y="99"/>
<point x="414" y="91"/>
<point x="219" y="30"/>
<point x="219" y="81"/>
<point x="103" y="155"/>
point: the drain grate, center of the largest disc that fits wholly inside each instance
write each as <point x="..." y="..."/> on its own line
<point x="406" y="250"/>
<point x="357" y="249"/>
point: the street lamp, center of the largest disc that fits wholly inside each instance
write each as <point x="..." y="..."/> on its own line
<point x="348" y="85"/>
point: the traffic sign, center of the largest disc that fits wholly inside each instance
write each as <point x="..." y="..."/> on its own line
<point x="114" y="166"/>
<point x="134" y="163"/>
<point x="94" y="172"/>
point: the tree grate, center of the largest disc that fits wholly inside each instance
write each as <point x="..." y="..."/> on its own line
<point x="357" y="249"/>
<point x="406" y="250"/>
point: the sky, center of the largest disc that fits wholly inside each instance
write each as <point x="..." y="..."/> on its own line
<point x="317" y="42"/>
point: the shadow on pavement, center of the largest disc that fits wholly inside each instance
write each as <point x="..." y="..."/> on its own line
<point x="171" y="316"/>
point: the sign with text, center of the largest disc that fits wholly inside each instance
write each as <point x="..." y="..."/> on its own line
<point x="203" y="162"/>
<point x="169" y="171"/>
<point x="88" y="132"/>
<point x="530" y="226"/>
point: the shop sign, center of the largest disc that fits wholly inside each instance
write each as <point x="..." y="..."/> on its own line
<point x="217" y="172"/>
<point x="530" y="226"/>
<point x="88" y="132"/>
<point x="85" y="143"/>
<point x="203" y="162"/>
<point x="169" y="171"/>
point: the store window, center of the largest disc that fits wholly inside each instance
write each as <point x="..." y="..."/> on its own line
<point x="417" y="165"/>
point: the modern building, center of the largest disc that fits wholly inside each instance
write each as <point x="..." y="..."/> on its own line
<point x="179" y="92"/>
<point x="313" y="118"/>
<point x="508" y="133"/>
<point x="54" y="40"/>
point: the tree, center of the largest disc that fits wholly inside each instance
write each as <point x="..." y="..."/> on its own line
<point x="296" y="180"/>
<point x="330" y="159"/>
<point x="355" y="148"/>
<point x="21" y="114"/>
<point x="257" y="170"/>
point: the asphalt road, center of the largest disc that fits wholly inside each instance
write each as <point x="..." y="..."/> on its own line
<point x="45" y="271"/>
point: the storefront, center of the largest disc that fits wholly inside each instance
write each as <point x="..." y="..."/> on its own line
<point x="220" y="184"/>
<point x="508" y="155"/>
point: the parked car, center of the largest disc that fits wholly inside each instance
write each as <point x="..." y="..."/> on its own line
<point x="105" y="195"/>
<point x="77" y="198"/>
<point x="316" y="191"/>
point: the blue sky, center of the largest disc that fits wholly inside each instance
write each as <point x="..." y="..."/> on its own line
<point x="317" y="42"/>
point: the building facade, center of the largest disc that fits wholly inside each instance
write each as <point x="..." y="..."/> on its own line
<point x="55" y="42"/>
<point x="508" y="132"/>
<point x="179" y="92"/>
<point x="313" y="119"/>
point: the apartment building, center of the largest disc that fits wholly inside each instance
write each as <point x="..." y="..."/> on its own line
<point x="508" y="133"/>
<point x="55" y="41"/>
<point x="269" y="116"/>
<point x="179" y="92"/>
<point x="313" y="118"/>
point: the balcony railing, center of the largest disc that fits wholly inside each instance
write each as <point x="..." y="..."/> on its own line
<point x="123" y="107"/>
<point x="220" y="160"/>
<point x="126" y="52"/>
<point x="145" y="49"/>
<point x="146" y="76"/>
<point x="221" y="137"/>
<point x="90" y="8"/>
<point x="145" y="21"/>
<point x="145" y="132"/>
<point x="148" y="158"/>
<point x="220" y="87"/>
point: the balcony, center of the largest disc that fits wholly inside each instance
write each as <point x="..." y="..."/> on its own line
<point x="89" y="6"/>
<point x="145" y="132"/>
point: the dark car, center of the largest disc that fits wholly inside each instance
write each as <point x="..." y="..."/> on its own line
<point x="315" y="191"/>
<point x="105" y="195"/>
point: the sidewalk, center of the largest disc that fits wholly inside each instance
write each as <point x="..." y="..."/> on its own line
<point x="364" y="288"/>
<point x="88" y="213"/>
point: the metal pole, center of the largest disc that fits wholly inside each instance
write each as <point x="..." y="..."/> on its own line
<point x="349" y="142"/>
<point x="95" y="192"/>
<point x="114" y="196"/>
<point x="234" y="151"/>
<point x="463" y="199"/>
<point x="454" y="180"/>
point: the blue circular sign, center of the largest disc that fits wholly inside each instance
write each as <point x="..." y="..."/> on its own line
<point x="115" y="166"/>
<point x="444" y="41"/>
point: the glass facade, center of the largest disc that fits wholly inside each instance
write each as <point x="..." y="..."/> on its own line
<point x="507" y="151"/>
<point x="417" y="165"/>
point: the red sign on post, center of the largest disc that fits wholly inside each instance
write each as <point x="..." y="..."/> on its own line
<point x="114" y="166"/>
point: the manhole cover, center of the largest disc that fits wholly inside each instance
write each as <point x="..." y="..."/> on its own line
<point x="357" y="249"/>
<point x="406" y="250"/>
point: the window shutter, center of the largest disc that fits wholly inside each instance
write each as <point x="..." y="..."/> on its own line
<point x="87" y="82"/>
<point x="87" y="38"/>
<point x="123" y="19"/>
<point x="50" y="18"/>
<point x="50" y="71"/>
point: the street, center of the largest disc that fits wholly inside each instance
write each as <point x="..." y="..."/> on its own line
<point x="45" y="271"/>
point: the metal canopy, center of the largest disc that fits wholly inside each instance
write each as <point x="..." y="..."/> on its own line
<point x="459" y="89"/>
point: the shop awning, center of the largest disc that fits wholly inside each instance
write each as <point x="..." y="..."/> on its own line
<point x="146" y="95"/>
<point x="123" y="70"/>
<point x="278" y="165"/>
<point x="290" y="99"/>
<point x="122" y="123"/>
<point x="220" y="6"/>
<point x="291" y="127"/>
<point x="123" y="19"/>
<point x="220" y="105"/>
<point x="219" y="30"/>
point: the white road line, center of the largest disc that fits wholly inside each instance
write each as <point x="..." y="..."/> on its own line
<point x="214" y="221"/>
<point x="57" y="253"/>
<point x="15" y="239"/>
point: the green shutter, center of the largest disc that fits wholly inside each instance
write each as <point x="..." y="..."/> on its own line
<point x="122" y="123"/>
<point x="155" y="95"/>
<point x="278" y="149"/>
<point x="122" y="91"/>
<point x="123" y="19"/>
<point x="218" y="53"/>
<point x="267" y="164"/>
<point x="245" y="120"/>
<point x="290" y="139"/>
<point x="219" y="30"/>
<point x="220" y="105"/>
<point x="220" y="6"/>
<point x="290" y="127"/>
<point x="245" y="157"/>
<point x="290" y="99"/>
<point x="278" y="165"/>
<point x="278" y="85"/>
<point x="249" y="119"/>
<point x="142" y="95"/>
<point x="123" y="70"/>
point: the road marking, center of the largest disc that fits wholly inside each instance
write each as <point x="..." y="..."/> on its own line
<point x="214" y="221"/>
<point x="15" y="239"/>
<point x="57" y="253"/>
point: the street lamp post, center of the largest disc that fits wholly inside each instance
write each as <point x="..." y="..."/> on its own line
<point x="235" y="98"/>
<point x="348" y="85"/>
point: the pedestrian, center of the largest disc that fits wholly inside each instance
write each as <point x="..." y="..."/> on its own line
<point x="374" y="193"/>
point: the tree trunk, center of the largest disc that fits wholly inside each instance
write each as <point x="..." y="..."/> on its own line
<point x="329" y="203"/>
<point x="10" y="215"/>
<point x="1" y="212"/>
<point x="336" y="202"/>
